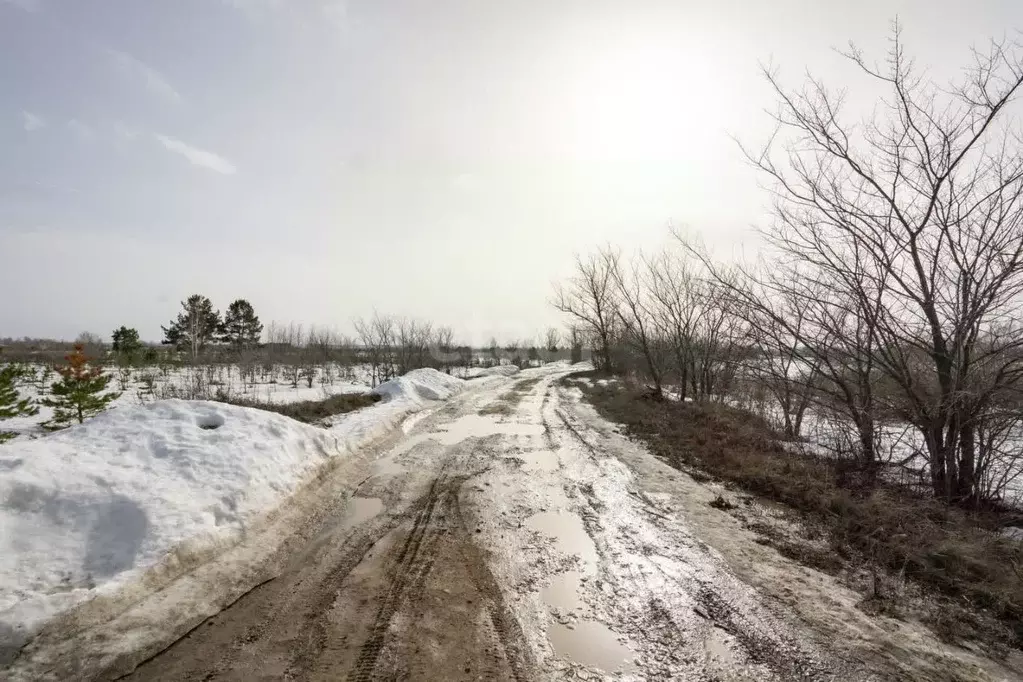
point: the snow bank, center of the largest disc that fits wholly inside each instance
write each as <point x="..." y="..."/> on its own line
<point x="86" y="511"/>
<point x="89" y="507"/>
<point x="420" y="385"/>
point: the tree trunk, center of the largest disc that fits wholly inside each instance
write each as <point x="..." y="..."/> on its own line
<point x="936" y="456"/>
<point x="606" y="352"/>
<point x="966" y="488"/>
<point x="868" y="450"/>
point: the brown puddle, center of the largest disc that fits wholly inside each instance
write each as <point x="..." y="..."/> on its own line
<point x="469" y="426"/>
<point x="592" y="644"/>
<point x="479" y="426"/>
<point x="563" y="592"/>
<point x="568" y="532"/>
<point x="540" y="460"/>
<point x="361" y="509"/>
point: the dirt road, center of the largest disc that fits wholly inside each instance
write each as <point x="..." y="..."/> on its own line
<point x="513" y="535"/>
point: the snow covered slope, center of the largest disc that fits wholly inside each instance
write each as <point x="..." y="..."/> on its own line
<point x="420" y="385"/>
<point x="86" y="510"/>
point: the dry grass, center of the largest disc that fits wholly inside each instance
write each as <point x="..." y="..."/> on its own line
<point x="312" y="411"/>
<point x="949" y="553"/>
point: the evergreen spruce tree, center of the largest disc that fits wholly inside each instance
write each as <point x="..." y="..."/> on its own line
<point x="11" y="405"/>
<point x="242" y="328"/>
<point x="80" y="392"/>
<point x="195" y="326"/>
<point x="126" y="343"/>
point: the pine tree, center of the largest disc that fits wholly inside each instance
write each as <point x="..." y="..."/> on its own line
<point x="126" y="343"/>
<point x="11" y="405"/>
<point x="79" y="393"/>
<point x="195" y="326"/>
<point x="242" y="328"/>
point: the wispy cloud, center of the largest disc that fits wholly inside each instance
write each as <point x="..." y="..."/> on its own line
<point x="154" y="81"/>
<point x="27" y="5"/>
<point x="83" y="131"/>
<point x="196" y="156"/>
<point x="31" y="121"/>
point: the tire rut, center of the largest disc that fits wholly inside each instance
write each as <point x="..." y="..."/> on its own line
<point x="439" y="557"/>
<point x="776" y="652"/>
<point x="409" y="570"/>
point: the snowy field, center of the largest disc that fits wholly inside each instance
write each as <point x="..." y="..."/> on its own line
<point x="87" y="510"/>
<point x="279" y="385"/>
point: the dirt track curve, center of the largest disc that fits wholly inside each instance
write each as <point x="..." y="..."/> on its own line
<point x="513" y="535"/>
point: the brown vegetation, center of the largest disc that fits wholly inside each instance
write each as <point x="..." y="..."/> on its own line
<point x="311" y="411"/>
<point x="953" y="554"/>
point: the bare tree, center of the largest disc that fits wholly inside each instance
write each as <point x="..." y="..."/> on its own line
<point x="589" y="299"/>
<point x="636" y="316"/>
<point x="376" y="337"/>
<point x="915" y="217"/>
<point x="412" y="347"/>
<point x="444" y="343"/>
<point x="674" y="289"/>
<point x="551" y="339"/>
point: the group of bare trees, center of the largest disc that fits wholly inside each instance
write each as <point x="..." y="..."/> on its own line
<point x="889" y="288"/>
<point x="393" y="345"/>
<point x="655" y="315"/>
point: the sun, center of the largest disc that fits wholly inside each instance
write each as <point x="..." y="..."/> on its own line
<point x="630" y="102"/>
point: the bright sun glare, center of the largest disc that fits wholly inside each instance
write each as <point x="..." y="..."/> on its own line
<point x="629" y="103"/>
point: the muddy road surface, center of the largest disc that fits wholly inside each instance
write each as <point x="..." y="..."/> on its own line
<point x="511" y="534"/>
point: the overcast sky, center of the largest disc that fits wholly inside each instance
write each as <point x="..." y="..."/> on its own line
<point x="435" y="158"/>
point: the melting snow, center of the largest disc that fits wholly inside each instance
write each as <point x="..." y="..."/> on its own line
<point x="87" y="510"/>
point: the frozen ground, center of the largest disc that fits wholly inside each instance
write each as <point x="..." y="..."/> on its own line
<point x="88" y="510"/>
<point x="533" y="546"/>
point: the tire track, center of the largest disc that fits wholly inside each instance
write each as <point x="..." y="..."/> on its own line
<point x="779" y="654"/>
<point x="506" y="626"/>
<point x="408" y="571"/>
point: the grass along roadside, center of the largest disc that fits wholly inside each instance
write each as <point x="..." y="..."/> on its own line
<point x="907" y="554"/>
<point x="311" y="411"/>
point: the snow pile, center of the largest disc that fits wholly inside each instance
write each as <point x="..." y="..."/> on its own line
<point x="87" y="511"/>
<point x="499" y="371"/>
<point x="420" y="385"/>
<point x="400" y="397"/>
<point x="91" y="506"/>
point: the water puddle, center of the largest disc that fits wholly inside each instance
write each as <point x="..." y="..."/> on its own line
<point x="592" y="644"/>
<point x="563" y="592"/>
<point x="569" y="534"/>
<point x="479" y="426"/>
<point x="469" y="426"/>
<point x="361" y="509"/>
<point x="542" y="460"/>
<point x="720" y="657"/>
<point x="388" y="465"/>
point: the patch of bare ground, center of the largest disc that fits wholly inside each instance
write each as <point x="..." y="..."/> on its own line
<point x="506" y="402"/>
<point x="907" y="554"/>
